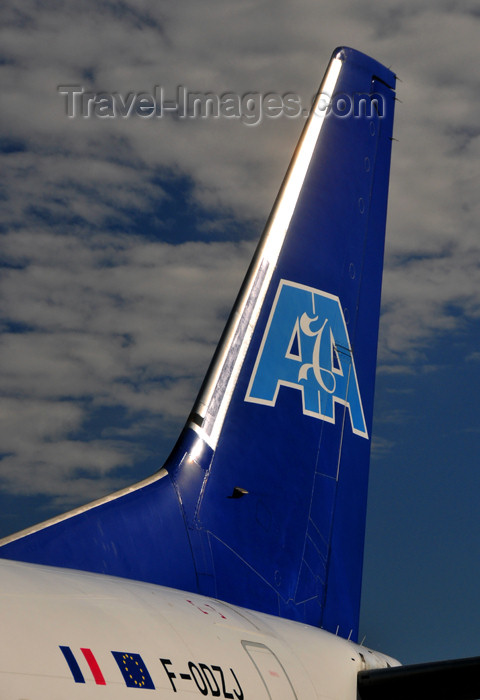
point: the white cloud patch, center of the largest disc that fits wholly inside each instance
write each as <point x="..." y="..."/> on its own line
<point x="114" y="322"/>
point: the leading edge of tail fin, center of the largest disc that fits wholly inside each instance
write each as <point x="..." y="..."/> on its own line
<point x="262" y="501"/>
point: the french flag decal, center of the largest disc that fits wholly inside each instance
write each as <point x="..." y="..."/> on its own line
<point x="77" y="674"/>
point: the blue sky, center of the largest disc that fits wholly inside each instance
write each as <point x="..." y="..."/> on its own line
<point x="124" y="242"/>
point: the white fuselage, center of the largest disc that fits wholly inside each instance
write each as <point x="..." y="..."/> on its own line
<point x="69" y="634"/>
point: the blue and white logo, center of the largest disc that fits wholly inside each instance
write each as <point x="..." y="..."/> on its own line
<point x="306" y="346"/>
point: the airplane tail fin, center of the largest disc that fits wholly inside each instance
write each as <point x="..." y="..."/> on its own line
<point x="262" y="502"/>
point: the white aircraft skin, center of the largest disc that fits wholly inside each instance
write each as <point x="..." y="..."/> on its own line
<point x="190" y="645"/>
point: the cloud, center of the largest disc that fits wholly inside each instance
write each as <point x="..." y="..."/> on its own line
<point x="381" y="447"/>
<point x="95" y="324"/>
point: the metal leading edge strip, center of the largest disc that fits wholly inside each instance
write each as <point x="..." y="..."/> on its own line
<point x="212" y="404"/>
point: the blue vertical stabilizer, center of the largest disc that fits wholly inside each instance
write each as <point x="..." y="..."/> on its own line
<point x="262" y="502"/>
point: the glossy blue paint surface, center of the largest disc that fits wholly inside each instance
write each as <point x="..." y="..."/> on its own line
<point x="293" y="544"/>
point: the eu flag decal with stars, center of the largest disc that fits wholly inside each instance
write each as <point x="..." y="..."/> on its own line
<point x="133" y="670"/>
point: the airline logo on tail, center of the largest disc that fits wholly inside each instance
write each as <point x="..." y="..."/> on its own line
<point x="306" y="346"/>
